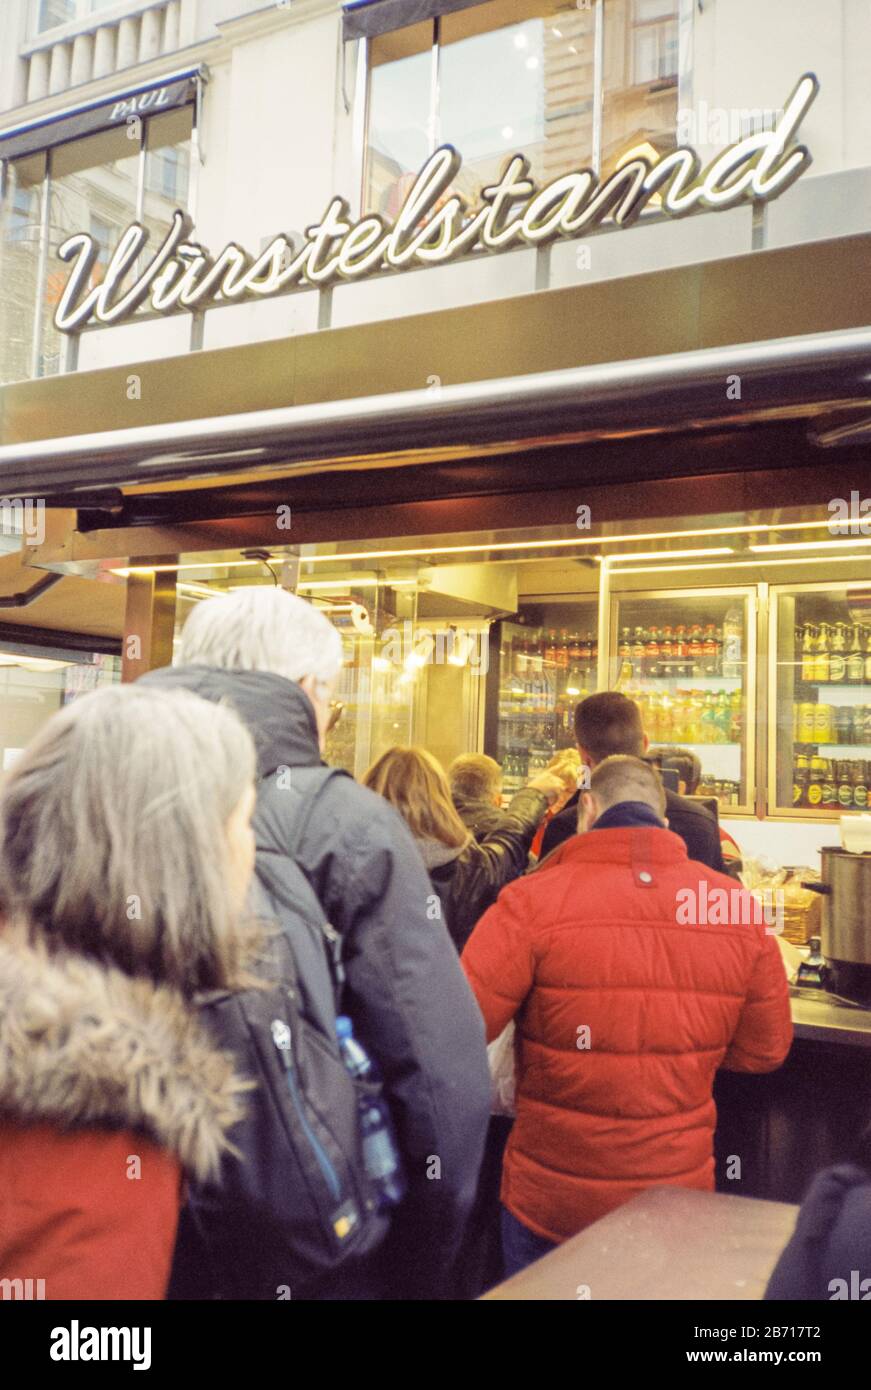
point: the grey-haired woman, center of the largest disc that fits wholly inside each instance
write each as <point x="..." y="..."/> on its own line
<point x="125" y="857"/>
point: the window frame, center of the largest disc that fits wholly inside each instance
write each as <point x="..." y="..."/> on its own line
<point x="110" y="14"/>
<point x="361" y="113"/>
<point x="42" y="207"/>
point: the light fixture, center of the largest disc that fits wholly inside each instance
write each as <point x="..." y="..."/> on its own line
<point x="746" y="564"/>
<point x="532" y="62"/>
<point x="666" y="554"/>
<point x="810" y="545"/>
<point x="473" y="548"/>
<point x="520" y="40"/>
<point x="197" y="590"/>
<point x="507" y="132"/>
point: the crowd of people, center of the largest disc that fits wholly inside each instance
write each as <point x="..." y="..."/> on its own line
<point x="246" y="1000"/>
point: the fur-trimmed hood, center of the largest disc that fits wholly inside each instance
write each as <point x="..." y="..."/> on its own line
<point x="83" y="1045"/>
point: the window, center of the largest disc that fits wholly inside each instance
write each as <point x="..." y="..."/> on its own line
<point x="640" y="80"/>
<point x="519" y="77"/>
<point x="98" y="184"/>
<point x="50" y="14"/>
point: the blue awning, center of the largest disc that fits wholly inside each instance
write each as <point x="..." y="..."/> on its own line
<point x="364" y="19"/>
<point x="144" y="99"/>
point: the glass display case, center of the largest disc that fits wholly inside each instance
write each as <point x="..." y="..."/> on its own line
<point x="547" y="663"/>
<point x="688" y="659"/>
<point x="377" y="695"/>
<point x="819" y="699"/>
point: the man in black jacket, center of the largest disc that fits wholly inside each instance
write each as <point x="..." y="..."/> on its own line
<point x="275" y="659"/>
<point x="610" y="723"/>
<point x="476" y="789"/>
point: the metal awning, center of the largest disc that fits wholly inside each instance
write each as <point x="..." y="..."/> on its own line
<point x="364" y="19"/>
<point x="811" y="377"/>
<point x="143" y="99"/>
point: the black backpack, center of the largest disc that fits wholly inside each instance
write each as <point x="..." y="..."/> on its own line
<point x="295" y="1202"/>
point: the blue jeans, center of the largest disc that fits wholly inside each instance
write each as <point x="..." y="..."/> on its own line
<point x="520" y="1245"/>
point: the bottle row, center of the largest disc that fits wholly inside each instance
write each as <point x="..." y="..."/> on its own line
<point x="539" y="694"/>
<point x="830" y="784"/>
<point x="816" y="722"/>
<point x="838" y="653"/>
<point x="690" y="716"/>
<point x="682" y="652"/>
<point x="519" y="765"/>
<point x="727" y="793"/>
<point x="557" y="650"/>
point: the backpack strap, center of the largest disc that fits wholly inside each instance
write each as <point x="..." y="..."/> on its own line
<point x="300" y="788"/>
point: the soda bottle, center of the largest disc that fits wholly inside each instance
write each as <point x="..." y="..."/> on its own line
<point x="732" y="643"/>
<point x="380" y="1154"/>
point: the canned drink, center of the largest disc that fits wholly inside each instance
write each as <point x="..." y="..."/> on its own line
<point x="823" y="724"/>
<point x="807" y="723"/>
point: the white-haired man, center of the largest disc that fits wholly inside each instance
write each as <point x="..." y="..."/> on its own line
<point x="276" y="659"/>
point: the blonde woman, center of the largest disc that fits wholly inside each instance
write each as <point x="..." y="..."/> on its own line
<point x="467" y="875"/>
<point x="125" y="857"/>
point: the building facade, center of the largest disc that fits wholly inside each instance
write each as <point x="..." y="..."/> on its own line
<point x="252" y="118"/>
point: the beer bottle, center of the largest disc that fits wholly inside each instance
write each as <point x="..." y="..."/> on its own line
<point x="845" y="785"/>
<point x="837" y="653"/>
<point x="868" y="656"/>
<point x="638" y="653"/>
<point x="562" y="651"/>
<point x="815" y="783"/>
<point x="860" y="786"/>
<point x="830" y="791"/>
<point x="808" y="648"/>
<point x="799" y="782"/>
<point x="855" y="659"/>
<point x="821" y="656"/>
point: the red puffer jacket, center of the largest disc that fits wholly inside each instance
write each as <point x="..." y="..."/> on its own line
<point x="598" y="939"/>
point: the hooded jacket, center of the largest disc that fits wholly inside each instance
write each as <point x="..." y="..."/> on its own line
<point x="468" y="879"/>
<point x="829" y="1255"/>
<point x="109" y="1093"/>
<point x="410" y="1002"/>
<point x="624" y="1011"/>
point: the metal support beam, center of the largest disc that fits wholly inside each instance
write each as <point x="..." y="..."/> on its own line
<point x="149" y="622"/>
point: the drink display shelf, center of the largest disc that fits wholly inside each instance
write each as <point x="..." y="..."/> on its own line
<point x="854" y="687"/>
<point x="840" y="750"/>
<point x="700" y="747"/>
<point x="686" y="682"/>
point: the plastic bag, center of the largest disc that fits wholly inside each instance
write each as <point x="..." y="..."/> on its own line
<point x="500" y="1055"/>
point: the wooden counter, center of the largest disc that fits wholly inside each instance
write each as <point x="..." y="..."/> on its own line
<point x="669" y="1243"/>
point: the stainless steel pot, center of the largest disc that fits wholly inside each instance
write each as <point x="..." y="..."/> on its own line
<point x="846" y="924"/>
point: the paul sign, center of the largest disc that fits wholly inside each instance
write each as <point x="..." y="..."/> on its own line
<point x="434" y="225"/>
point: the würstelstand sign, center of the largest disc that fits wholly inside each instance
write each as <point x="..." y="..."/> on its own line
<point x="434" y="225"/>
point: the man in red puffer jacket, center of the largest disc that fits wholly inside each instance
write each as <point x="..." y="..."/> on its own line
<point x="633" y="973"/>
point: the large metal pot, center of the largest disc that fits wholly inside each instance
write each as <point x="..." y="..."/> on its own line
<point x="846" y="924"/>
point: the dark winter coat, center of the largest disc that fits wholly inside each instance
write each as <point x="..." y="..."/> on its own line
<point x="478" y="816"/>
<point x="468" y="880"/>
<point x="829" y="1255"/>
<point x="406" y="992"/>
<point x="695" y="825"/>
